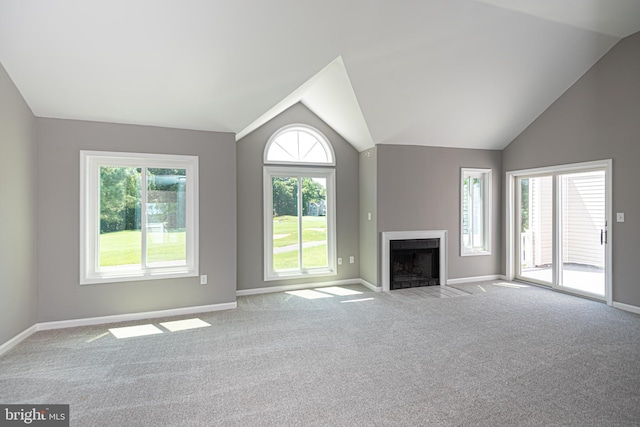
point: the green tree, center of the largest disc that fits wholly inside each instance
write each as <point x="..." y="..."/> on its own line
<point x="112" y="198"/>
<point x="312" y="192"/>
<point x="285" y="196"/>
<point x="524" y="204"/>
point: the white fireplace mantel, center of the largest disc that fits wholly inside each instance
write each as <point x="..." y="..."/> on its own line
<point x="388" y="236"/>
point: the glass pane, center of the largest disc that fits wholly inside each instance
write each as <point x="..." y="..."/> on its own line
<point x="166" y="217"/>
<point x="466" y="219"/>
<point x="583" y="223"/>
<point x="284" y="148"/>
<point x="314" y="222"/>
<point x="286" y="247"/>
<point x="120" y="237"/>
<point x="477" y="213"/>
<point x="536" y="228"/>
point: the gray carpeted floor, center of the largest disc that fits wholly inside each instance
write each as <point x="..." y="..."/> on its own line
<point x="493" y="355"/>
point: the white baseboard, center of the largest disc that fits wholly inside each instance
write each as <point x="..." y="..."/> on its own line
<point x="475" y="279"/>
<point x="626" y="307"/>
<point x="285" y="288"/>
<point x="134" y="316"/>
<point x="17" y="339"/>
<point x="371" y="286"/>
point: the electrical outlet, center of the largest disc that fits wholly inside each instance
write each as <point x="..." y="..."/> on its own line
<point x="203" y="279"/>
<point x="352" y="259"/>
<point x="620" y="217"/>
<point x="339" y="261"/>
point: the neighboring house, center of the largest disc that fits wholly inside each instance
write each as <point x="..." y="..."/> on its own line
<point x="317" y="209"/>
<point x="583" y="216"/>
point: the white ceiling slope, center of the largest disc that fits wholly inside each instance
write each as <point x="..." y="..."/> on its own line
<point x="454" y="73"/>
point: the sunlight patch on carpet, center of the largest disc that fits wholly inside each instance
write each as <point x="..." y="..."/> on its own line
<point x="336" y="290"/>
<point x="510" y="285"/>
<point x="309" y="294"/>
<point x="358" y="300"/>
<point x="183" y="325"/>
<point x="135" y="331"/>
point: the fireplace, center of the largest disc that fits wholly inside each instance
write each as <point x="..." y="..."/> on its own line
<point x="414" y="263"/>
<point x="422" y="253"/>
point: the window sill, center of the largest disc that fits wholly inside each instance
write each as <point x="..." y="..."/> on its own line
<point x="137" y="276"/>
<point x="475" y="253"/>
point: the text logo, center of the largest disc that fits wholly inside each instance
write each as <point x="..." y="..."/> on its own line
<point x="34" y="415"/>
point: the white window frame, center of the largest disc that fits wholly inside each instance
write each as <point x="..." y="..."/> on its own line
<point x="485" y="175"/>
<point x="90" y="163"/>
<point x="299" y="172"/>
<point x="319" y="136"/>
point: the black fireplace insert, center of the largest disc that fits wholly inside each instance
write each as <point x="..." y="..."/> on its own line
<point x="414" y="263"/>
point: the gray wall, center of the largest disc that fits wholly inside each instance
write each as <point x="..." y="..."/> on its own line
<point x="18" y="295"/>
<point x="419" y="189"/>
<point x="598" y="118"/>
<point x="250" y="151"/>
<point x="58" y="160"/>
<point x="368" y="204"/>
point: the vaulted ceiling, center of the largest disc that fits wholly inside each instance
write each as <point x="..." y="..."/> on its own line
<point x="454" y="73"/>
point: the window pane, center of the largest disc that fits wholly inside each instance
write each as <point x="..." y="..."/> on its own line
<point x="478" y="213"/>
<point x="466" y="222"/>
<point x="314" y="222"/>
<point x="286" y="248"/>
<point x="120" y="237"/>
<point x="536" y="225"/>
<point x="166" y="217"/>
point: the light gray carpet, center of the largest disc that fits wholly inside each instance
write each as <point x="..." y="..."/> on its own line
<point x="492" y="355"/>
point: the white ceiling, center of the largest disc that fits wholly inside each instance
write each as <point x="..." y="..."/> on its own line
<point x="455" y="73"/>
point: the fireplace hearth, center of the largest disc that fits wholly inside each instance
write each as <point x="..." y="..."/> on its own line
<point x="414" y="263"/>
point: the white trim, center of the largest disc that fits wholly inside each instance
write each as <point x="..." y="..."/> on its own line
<point x="285" y="288"/>
<point x="134" y="316"/>
<point x="487" y="208"/>
<point x="90" y="162"/>
<point x="626" y="307"/>
<point x="511" y="207"/>
<point x="299" y="171"/>
<point x="475" y="279"/>
<point x="299" y="127"/>
<point x="18" y="339"/>
<point x="371" y="286"/>
<point x="61" y="324"/>
<point x="387" y="236"/>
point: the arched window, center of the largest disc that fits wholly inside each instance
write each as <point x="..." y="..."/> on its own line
<point x="299" y="204"/>
<point x="299" y="144"/>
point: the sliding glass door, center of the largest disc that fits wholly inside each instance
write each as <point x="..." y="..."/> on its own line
<point x="560" y="234"/>
<point x="536" y="228"/>
<point x="583" y="231"/>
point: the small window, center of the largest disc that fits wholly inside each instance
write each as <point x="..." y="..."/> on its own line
<point x="475" y="204"/>
<point x="299" y="144"/>
<point x="138" y="216"/>
<point x="299" y="205"/>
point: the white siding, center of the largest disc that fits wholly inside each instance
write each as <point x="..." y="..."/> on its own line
<point x="583" y="217"/>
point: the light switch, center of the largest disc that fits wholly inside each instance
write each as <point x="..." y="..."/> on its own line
<point x="369" y="216"/>
<point x="620" y="217"/>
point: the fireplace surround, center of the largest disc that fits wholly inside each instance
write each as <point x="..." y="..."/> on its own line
<point x="389" y="236"/>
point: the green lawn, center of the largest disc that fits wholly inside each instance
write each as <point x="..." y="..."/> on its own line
<point x="285" y="231"/>
<point x="124" y="247"/>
